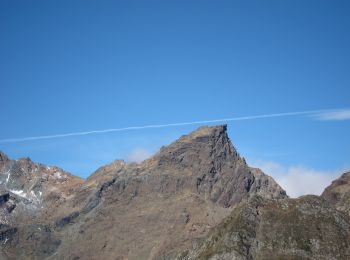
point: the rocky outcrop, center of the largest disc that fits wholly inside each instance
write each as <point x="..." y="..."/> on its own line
<point x="265" y="186"/>
<point x="7" y="205"/>
<point x="338" y="193"/>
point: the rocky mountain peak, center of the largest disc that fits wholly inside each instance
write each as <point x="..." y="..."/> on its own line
<point x="207" y="132"/>
<point x="207" y="146"/>
<point x="206" y="162"/>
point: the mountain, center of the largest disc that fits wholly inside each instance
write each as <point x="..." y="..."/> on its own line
<point x="195" y="199"/>
<point x="151" y="210"/>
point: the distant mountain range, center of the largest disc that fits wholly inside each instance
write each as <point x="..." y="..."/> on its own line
<point x="195" y="199"/>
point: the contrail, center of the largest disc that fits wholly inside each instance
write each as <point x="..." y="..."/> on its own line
<point x="309" y="112"/>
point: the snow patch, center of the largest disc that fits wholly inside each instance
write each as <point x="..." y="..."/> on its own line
<point x="20" y="193"/>
<point x="8" y="176"/>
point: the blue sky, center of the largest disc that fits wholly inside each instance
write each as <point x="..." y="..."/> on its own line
<point x="72" y="66"/>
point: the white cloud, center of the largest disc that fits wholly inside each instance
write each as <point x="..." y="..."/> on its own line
<point x="138" y="155"/>
<point x="337" y="115"/>
<point x="298" y="180"/>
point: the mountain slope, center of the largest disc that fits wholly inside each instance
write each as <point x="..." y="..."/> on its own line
<point x="303" y="228"/>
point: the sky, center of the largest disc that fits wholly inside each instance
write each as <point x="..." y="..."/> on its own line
<point x="77" y="66"/>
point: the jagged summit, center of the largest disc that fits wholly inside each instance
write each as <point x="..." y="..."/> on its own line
<point x="206" y="131"/>
<point x="212" y="167"/>
<point x="206" y="145"/>
<point x="205" y="134"/>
